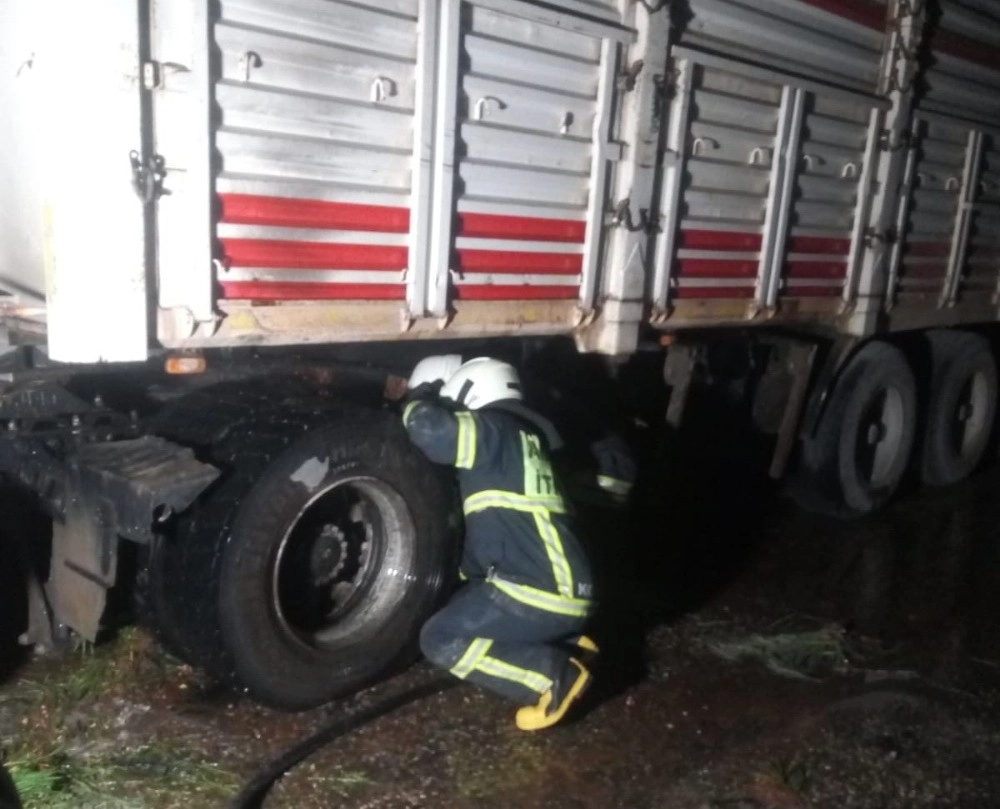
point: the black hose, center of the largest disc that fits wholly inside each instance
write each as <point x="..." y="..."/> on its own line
<point x="8" y="792"/>
<point x="256" y="790"/>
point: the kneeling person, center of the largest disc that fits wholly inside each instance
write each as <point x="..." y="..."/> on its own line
<point x="516" y="626"/>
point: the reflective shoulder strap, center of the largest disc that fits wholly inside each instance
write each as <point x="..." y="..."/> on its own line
<point x="465" y="454"/>
<point x="408" y="411"/>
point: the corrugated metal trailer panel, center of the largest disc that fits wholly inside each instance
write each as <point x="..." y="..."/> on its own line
<point x="837" y="41"/>
<point x="962" y="52"/>
<point x="771" y="161"/>
<point x="315" y="144"/>
<point x="411" y="159"/>
<point x="946" y="266"/>
<point x="332" y="170"/>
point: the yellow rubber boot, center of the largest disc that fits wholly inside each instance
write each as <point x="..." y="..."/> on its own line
<point x="554" y="703"/>
<point x="584" y="648"/>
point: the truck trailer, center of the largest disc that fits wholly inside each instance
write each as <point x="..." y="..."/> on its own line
<point x="224" y="225"/>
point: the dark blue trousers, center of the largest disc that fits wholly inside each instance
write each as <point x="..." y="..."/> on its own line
<point x="511" y="648"/>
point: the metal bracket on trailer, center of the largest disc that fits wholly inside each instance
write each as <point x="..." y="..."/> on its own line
<point x="678" y="373"/>
<point x="114" y="490"/>
<point x="800" y="362"/>
<point x="97" y="491"/>
<point x="963" y="219"/>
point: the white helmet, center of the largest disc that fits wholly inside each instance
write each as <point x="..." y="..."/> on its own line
<point x="435" y="369"/>
<point x="481" y="382"/>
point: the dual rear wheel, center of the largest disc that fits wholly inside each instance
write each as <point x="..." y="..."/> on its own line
<point x="307" y="571"/>
<point x="877" y="421"/>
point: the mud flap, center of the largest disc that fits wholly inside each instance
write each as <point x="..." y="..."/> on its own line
<point x="115" y="490"/>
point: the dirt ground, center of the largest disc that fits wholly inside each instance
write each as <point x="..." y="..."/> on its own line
<point x="754" y="656"/>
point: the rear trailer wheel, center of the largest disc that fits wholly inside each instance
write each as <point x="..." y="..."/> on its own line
<point x="961" y="406"/>
<point x="309" y="573"/>
<point x="860" y="451"/>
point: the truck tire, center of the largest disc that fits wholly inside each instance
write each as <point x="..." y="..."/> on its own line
<point x="309" y="571"/>
<point x="961" y="406"/>
<point x="267" y="417"/>
<point x="856" y="459"/>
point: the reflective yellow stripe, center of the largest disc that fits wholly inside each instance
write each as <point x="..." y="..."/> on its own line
<point x="476" y="651"/>
<point x="505" y="671"/>
<point x="557" y="556"/>
<point x="465" y="456"/>
<point x="462" y="576"/>
<point x="496" y="498"/>
<point x="549" y="602"/>
<point x="408" y="410"/>
<point x="614" y="485"/>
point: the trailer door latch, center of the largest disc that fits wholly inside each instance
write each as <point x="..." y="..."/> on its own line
<point x="622" y="217"/>
<point x="628" y="77"/>
<point x="147" y="175"/>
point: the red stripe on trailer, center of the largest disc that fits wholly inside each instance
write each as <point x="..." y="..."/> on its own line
<point x="698" y="239"/>
<point x="965" y="48"/>
<point x="984" y="252"/>
<point x="928" y="271"/>
<point x="927" y="249"/>
<point x="812" y="292"/>
<point x="694" y="293"/>
<point x="275" y="254"/>
<point x="816" y="269"/>
<point x="716" y="268"/>
<point x="273" y="291"/>
<point x="479" y="261"/>
<point x="251" y="209"/>
<point x="525" y="228"/>
<point x="819" y="244"/>
<point x="863" y="12"/>
<point x="514" y="292"/>
<point x="719" y="240"/>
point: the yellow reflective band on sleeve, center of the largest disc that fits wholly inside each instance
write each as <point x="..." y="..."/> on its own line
<point x="557" y="556"/>
<point x="408" y="410"/>
<point x="496" y="498"/>
<point x="549" y="602"/>
<point x="614" y="485"/>
<point x="538" y="683"/>
<point x="462" y="576"/>
<point x="465" y="455"/>
<point x="477" y="651"/>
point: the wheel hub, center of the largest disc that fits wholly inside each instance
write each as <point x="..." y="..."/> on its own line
<point x="329" y="555"/>
<point x="876" y="434"/>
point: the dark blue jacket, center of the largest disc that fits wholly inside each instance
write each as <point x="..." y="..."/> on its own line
<point x="518" y="534"/>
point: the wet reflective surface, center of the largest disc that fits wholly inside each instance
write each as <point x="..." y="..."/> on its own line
<point x="908" y="715"/>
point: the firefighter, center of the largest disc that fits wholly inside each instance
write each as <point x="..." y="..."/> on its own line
<point x="516" y="625"/>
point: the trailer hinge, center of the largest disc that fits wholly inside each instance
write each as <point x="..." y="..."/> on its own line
<point x="903" y="140"/>
<point x="628" y="77"/>
<point x="652" y="6"/>
<point x="154" y="74"/>
<point x="147" y="175"/>
<point x="622" y="217"/>
<point x="877" y="236"/>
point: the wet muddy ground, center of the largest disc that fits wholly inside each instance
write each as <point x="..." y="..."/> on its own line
<point x="755" y="656"/>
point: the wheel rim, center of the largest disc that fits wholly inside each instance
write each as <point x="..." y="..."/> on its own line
<point x="880" y="438"/>
<point x="970" y="417"/>
<point x="343" y="564"/>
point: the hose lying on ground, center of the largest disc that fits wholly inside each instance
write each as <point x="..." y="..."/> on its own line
<point x="256" y="790"/>
<point x="8" y="792"/>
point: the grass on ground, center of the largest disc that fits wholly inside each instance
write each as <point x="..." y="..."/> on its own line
<point x="67" y="752"/>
